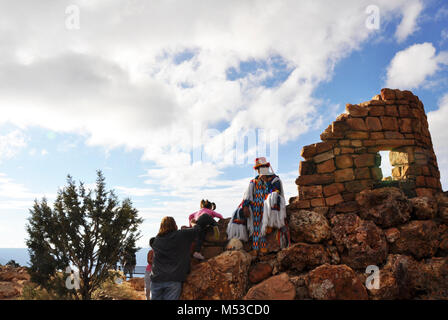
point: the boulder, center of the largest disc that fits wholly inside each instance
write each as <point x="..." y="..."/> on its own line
<point x="431" y="279"/>
<point x="360" y="243"/>
<point x="222" y="277"/>
<point x="387" y="207"/>
<point x="308" y="226"/>
<point x="275" y="288"/>
<point x="299" y="283"/>
<point x="234" y="244"/>
<point x="396" y="279"/>
<point x="335" y="282"/>
<point x="260" y="272"/>
<point x="222" y="240"/>
<point x="419" y="238"/>
<point x="137" y="284"/>
<point x="424" y="208"/>
<point x="301" y="256"/>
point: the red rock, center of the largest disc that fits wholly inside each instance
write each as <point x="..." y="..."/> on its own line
<point x="389" y="123"/>
<point x="260" y="272"/>
<point x="275" y="288"/>
<point x="333" y="189"/>
<point x="386" y="207"/>
<point x="424" y="208"/>
<point x="334" y="200"/>
<point x="344" y="161"/>
<point x="417" y="238"/>
<point x="392" y="234"/>
<point x="137" y="284"/>
<point x="222" y="277"/>
<point x="391" y="111"/>
<point x="308" y="226"/>
<point x="310" y="192"/>
<point x="376" y="111"/>
<point x="373" y="124"/>
<point x="365" y="160"/>
<point x="344" y="175"/>
<point x="404" y="111"/>
<point x="326" y="166"/>
<point x="324" y="178"/>
<point x="388" y="94"/>
<point x="307" y="167"/>
<point x="301" y="256"/>
<point x="405" y="125"/>
<point x="360" y="243"/>
<point x="356" y="110"/>
<point x="357" y="124"/>
<point x="335" y="282"/>
<point x="396" y="279"/>
<point x="362" y="173"/>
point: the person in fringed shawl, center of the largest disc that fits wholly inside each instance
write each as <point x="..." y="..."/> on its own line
<point x="262" y="209"/>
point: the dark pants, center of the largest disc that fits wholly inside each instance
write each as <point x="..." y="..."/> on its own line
<point x="169" y="290"/>
<point x="205" y="221"/>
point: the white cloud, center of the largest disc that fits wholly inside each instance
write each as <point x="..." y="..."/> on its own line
<point x="11" y="143"/>
<point x="408" y="24"/>
<point x="116" y="81"/>
<point x="437" y="121"/>
<point x="411" y="67"/>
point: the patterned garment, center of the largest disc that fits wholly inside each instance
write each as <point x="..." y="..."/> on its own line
<point x="261" y="190"/>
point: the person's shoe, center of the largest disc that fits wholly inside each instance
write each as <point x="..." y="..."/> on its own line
<point x="198" y="256"/>
<point x="216" y="232"/>
<point x="253" y="253"/>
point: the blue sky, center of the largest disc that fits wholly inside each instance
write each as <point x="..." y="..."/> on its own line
<point x="127" y="94"/>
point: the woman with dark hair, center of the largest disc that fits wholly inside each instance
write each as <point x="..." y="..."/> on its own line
<point x="171" y="260"/>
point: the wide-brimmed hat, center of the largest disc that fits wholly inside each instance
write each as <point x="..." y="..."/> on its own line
<point x="261" y="162"/>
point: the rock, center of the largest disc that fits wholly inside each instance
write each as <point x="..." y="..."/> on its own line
<point x="234" y="244"/>
<point x="9" y="290"/>
<point x="137" y="284"/>
<point x="360" y="243"/>
<point x="424" y="208"/>
<point x="222" y="240"/>
<point x="308" y="226"/>
<point x="392" y="234"/>
<point x="335" y="282"/>
<point x="222" y="277"/>
<point x="418" y="238"/>
<point x="299" y="283"/>
<point x="443" y="214"/>
<point x="12" y="281"/>
<point x="275" y="288"/>
<point x="396" y="278"/>
<point x="260" y="272"/>
<point x="210" y="252"/>
<point x="387" y="207"/>
<point x="431" y="279"/>
<point x="302" y="256"/>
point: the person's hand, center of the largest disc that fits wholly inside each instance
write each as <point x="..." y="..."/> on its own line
<point x="193" y="222"/>
<point x="246" y="212"/>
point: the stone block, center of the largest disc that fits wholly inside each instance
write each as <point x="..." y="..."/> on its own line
<point x="323" y="156"/>
<point x="326" y="166"/>
<point x="365" y="160"/>
<point x="344" y="175"/>
<point x="389" y="123"/>
<point x="333" y="189"/>
<point x="356" y="110"/>
<point x="334" y="200"/>
<point x="344" y="161"/>
<point x="373" y="124"/>
<point x="357" y="124"/>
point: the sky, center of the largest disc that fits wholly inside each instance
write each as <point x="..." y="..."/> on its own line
<point x="173" y="100"/>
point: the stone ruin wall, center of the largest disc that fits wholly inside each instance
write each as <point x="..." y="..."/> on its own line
<point x="347" y="160"/>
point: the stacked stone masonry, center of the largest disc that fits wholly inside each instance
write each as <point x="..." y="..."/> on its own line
<point x="347" y="160"/>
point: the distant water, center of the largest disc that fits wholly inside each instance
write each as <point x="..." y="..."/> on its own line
<point x="21" y="256"/>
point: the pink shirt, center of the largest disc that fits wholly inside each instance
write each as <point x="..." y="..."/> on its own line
<point x="197" y="214"/>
